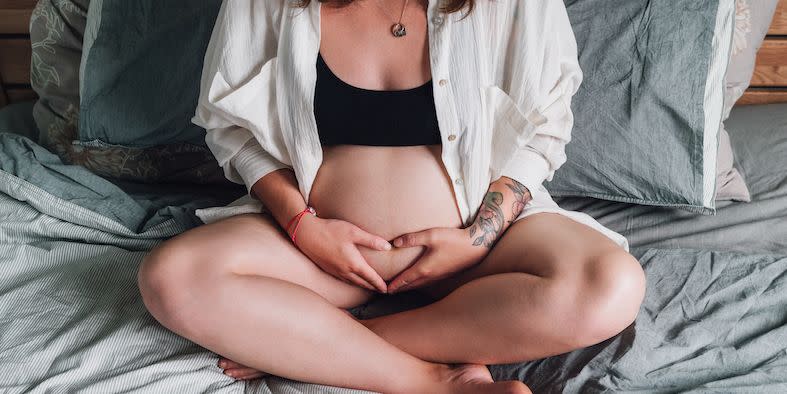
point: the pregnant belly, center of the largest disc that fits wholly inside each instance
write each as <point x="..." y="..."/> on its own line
<point x="387" y="191"/>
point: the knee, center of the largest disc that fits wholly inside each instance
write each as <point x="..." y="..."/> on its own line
<point x="162" y="279"/>
<point x="609" y="298"/>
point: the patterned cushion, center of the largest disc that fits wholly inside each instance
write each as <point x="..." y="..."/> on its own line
<point x="57" y="32"/>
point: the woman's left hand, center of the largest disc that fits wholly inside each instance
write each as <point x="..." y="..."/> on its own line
<point x="448" y="251"/>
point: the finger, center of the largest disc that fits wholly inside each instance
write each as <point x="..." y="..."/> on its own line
<point x="406" y="279"/>
<point x="360" y="281"/>
<point x="417" y="275"/>
<point x="362" y="237"/>
<point x="365" y="271"/>
<point x="420" y="238"/>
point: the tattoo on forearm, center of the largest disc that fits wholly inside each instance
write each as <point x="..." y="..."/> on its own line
<point x="521" y="196"/>
<point x="489" y="223"/>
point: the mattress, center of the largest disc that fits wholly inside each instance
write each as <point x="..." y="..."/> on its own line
<point x="72" y="320"/>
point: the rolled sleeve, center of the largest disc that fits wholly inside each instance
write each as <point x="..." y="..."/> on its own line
<point x="252" y="163"/>
<point x="237" y="105"/>
<point x="527" y="167"/>
<point x="541" y="75"/>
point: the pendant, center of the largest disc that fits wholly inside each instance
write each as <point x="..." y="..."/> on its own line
<point x="398" y="30"/>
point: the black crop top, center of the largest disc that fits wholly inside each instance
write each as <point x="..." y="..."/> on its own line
<point x="346" y="114"/>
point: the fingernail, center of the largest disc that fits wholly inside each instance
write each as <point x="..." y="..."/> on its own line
<point x="398" y="242"/>
<point x="386" y="245"/>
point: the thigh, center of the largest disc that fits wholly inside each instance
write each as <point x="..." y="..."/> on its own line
<point x="545" y="244"/>
<point x="253" y="244"/>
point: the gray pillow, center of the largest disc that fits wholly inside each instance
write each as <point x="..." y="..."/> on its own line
<point x="56" y="32"/>
<point x="751" y="25"/>
<point x="144" y="61"/>
<point x="648" y="114"/>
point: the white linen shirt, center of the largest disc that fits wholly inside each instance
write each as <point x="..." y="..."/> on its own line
<point x="503" y="79"/>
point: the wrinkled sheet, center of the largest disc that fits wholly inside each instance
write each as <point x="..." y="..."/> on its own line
<point x="72" y="320"/>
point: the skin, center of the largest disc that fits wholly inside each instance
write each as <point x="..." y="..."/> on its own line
<point x="501" y="291"/>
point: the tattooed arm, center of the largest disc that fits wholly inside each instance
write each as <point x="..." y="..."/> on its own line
<point x="504" y="201"/>
<point x="450" y="250"/>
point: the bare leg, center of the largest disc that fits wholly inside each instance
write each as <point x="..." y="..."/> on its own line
<point x="201" y="288"/>
<point x="551" y="285"/>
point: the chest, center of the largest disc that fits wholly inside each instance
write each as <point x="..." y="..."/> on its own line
<point x="357" y="43"/>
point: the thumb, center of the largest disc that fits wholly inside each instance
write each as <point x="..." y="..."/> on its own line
<point x="420" y="238"/>
<point x="364" y="238"/>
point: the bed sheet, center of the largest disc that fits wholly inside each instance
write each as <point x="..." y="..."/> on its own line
<point x="72" y="319"/>
<point x="758" y="135"/>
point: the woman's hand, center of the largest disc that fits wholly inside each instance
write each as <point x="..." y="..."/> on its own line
<point x="448" y="251"/>
<point x="333" y="245"/>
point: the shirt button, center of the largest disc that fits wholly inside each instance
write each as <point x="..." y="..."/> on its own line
<point x="452" y="137"/>
<point x="437" y="20"/>
<point x="443" y="82"/>
<point x="459" y="181"/>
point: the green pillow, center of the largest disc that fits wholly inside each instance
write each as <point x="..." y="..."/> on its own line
<point x="141" y="67"/>
<point x="648" y="113"/>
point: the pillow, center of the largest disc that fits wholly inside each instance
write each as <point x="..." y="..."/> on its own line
<point x="144" y="62"/>
<point x="648" y="113"/>
<point x="751" y="26"/>
<point x="56" y="31"/>
<point x="140" y="68"/>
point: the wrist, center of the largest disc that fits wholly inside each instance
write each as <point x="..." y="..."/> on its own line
<point x="294" y="224"/>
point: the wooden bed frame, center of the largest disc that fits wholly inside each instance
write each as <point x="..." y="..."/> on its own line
<point x="769" y="84"/>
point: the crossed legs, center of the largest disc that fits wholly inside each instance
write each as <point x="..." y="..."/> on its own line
<point x="238" y="288"/>
<point x="550" y="285"/>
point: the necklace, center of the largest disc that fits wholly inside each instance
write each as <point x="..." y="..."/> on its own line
<point x="397" y="29"/>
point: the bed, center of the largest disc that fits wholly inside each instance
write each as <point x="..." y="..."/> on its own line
<point x="72" y="320"/>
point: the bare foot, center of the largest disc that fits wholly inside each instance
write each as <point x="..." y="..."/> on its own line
<point x="475" y="378"/>
<point x="239" y="371"/>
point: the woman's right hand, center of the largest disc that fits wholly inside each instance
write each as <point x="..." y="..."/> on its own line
<point x="333" y="245"/>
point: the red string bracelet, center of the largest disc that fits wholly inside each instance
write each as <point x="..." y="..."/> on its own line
<point x="297" y="221"/>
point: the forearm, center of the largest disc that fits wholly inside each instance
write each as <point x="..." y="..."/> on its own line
<point x="279" y="192"/>
<point x="504" y="201"/>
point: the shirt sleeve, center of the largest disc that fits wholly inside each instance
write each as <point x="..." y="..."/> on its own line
<point x="540" y="72"/>
<point x="237" y="105"/>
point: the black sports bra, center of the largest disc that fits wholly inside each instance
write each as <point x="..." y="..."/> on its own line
<point x="346" y="114"/>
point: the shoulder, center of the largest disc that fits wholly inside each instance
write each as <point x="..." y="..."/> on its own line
<point x="245" y="37"/>
<point x="537" y="13"/>
<point x="252" y="13"/>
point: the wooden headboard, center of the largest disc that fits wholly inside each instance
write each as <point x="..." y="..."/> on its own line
<point x="15" y="50"/>
<point x="769" y="84"/>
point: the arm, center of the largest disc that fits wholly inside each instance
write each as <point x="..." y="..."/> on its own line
<point x="539" y="92"/>
<point x="279" y="192"/>
<point x="237" y="106"/>
<point x="450" y="250"/>
<point x="504" y="201"/>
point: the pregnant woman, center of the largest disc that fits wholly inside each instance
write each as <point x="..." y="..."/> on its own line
<point x="391" y="146"/>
